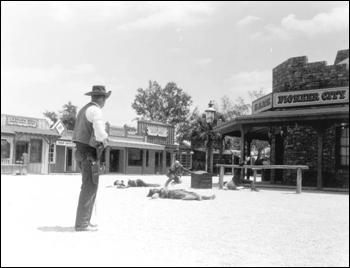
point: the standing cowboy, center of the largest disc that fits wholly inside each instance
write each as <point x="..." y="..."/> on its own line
<point x="90" y="138"/>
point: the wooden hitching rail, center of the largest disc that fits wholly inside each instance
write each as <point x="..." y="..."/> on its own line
<point x="255" y="168"/>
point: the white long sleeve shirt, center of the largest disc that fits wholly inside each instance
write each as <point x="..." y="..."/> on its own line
<point x="94" y="115"/>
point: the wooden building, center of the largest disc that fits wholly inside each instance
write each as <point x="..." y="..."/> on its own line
<point x="150" y="150"/>
<point x="25" y="144"/>
<point x="61" y="155"/>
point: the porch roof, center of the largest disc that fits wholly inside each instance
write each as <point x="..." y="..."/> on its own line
<point x="135" y="144"/>
<point x="27" y="130"/>
<point x="259" y="123"/>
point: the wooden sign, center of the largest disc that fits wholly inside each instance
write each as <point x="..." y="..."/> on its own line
<point x="22" y="122"/>
<point x="157" y="131"/>
<point x="262" y="104"/>
<point x="311" y="97"/>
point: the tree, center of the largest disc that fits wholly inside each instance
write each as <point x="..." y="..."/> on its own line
<point x="52" y="116"/>
<point x="185" y="128"/>
<point x="67" y="115"/>
<point x="231" y="109"/>
<point x="203" y="134"/>
<point x="169" y="105"/>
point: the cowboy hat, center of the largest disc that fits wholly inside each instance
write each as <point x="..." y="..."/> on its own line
<point x="99" y="90"/>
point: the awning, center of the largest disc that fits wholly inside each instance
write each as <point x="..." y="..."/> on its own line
<point x="135" y="144"/>
<point x="285" y="116"/>
<point x="5" y="130"/>
<point x="28" y="130"/>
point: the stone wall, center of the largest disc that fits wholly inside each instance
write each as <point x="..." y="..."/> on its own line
<point x="301" y="148"/>
<point x="297" y="74"/>
<point x="300" y="143"/>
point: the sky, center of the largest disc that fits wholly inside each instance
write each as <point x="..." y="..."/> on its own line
<point x="54" y="52"/>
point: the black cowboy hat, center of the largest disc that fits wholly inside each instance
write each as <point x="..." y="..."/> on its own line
<point x="99" y="90"/>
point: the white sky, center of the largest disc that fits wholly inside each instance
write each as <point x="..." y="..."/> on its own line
<point x="53" y="52"/>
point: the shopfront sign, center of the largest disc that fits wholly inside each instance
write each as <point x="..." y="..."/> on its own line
<point x="116" y="131"/>
<point x="22" y="122"/>
<point x="157" y="131"/>
<point x="311" y="97"/>
<point x="262" y="104"/>
<point x="65" y="143"/>
<point x="60" y="128"/>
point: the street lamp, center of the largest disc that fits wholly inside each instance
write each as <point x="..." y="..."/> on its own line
<point x="210" y="115"/>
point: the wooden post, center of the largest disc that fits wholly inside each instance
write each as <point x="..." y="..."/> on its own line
<point x="242" y="150"/>
<point x="319" y="158"/>
<point x="254" y="181"/>
<point x="299" y="180"/>
<point x="144" y="161"/>
<point x="126" y="160"/>
<point x="249" y="141"/>
<point x="164" y="162"/>
<point x="221" y="177"/>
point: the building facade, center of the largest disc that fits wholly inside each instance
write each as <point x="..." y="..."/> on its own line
<point x="305" y="119"/>
<point x="25" y="144"/>
<point x="61" y="154"/>
<point x="149" y="150"/>
<point x="30" y="145"/>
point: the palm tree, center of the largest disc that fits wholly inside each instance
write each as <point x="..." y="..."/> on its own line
<point x="203" y="134"/>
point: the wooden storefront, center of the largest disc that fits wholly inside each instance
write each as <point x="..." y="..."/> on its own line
<point x="26" y="142"/>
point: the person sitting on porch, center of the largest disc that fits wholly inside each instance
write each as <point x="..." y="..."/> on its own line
<point x="236" y="181"/>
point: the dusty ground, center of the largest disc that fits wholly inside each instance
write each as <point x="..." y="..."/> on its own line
<point x="238" y="228"/>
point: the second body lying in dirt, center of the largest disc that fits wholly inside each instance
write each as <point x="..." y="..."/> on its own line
<point x="177" y="194"/>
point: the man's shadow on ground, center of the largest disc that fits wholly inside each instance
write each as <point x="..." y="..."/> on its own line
<point x="59" y="229"/>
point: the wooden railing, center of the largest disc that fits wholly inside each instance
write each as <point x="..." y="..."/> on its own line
<point x="5" y="161"/>
<point x="255" y="168"/>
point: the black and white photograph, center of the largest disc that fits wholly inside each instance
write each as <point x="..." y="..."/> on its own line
<point x="174" y="133"/>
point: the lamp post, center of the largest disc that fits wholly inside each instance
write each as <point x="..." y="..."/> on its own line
<point x="210" y="115"/>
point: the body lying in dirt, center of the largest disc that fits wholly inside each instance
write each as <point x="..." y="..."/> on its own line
<point x="177" y="194"/>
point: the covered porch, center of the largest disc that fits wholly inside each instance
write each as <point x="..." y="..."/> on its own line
<point x="297" y="137"/>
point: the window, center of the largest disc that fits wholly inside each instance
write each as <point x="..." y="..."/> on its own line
<point x="5" y="149"/>
<point x="135" y="157"/>
<point x="52" y="151"/>
<point x="36" y="151"/>
<point x="185" y="160"/>
<point x="343" y="146"/>
<point x="168" y="159"/>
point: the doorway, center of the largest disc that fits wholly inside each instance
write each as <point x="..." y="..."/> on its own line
<point x="21" y="148"/>
<point x="158" y="162"/>
<point x="114" y="157"/>
<point x="279" y="155"/>
<point x="69" y="159"/>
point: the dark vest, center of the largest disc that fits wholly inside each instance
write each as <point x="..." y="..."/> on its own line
<point x="83" y="130"/>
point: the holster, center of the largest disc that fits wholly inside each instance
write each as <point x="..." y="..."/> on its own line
<point x="95" y="169"/>
<point x="95" y="163"/>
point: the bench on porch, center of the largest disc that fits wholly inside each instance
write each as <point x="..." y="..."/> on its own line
<point x="255" y="168"/>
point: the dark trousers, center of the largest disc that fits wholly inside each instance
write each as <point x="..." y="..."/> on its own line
<point x="84" y="156"/>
